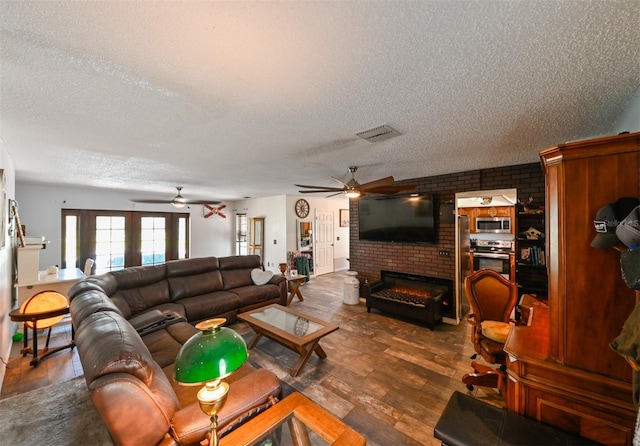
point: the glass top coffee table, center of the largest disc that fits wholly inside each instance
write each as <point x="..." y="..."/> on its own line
<point x="294" y="421"/>
<point x="290" y="328"/>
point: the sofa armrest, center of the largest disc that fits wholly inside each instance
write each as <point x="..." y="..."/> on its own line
<point x="281" y="282"/>
<point x="190" y="424"/>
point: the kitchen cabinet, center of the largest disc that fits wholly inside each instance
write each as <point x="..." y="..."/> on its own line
<point x="486" y="212"/>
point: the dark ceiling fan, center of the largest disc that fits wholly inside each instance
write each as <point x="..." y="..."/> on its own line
<point x="178" y="201"/>
<point x="353" y="189"/>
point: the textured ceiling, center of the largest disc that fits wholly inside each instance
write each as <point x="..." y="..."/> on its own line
<point x="235" y="99"/>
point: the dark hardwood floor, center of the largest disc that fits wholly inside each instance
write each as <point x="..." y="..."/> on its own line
<point x="388" y="378"/>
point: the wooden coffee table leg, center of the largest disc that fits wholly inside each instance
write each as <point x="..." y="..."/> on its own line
<point x="305" y="353"/>
<point x="320" y="352"/>
<point x="252" y="343"/>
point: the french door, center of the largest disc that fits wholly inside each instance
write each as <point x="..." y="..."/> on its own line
<point x="119" y="239"/>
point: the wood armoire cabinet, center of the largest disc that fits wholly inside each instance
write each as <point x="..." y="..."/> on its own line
<point x="561" y="368"/>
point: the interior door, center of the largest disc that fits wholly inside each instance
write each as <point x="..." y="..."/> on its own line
<point x="323" y="243"/>
<point x="256" y="236"/>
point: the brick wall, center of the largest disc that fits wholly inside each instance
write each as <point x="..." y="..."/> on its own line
<point x="368" y="258"/>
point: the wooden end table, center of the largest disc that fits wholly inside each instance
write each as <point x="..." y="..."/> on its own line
<point x="290" y="328"/>
<point x="293" y="285"/>
<point x="297" y="417"/>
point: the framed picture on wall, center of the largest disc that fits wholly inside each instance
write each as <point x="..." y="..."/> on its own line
<point x="344" y="218"/>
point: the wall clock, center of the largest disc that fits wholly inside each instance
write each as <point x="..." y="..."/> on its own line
<point x="302" y="208"/>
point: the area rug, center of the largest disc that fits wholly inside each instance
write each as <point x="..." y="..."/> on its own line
<point x="60" y="414"/>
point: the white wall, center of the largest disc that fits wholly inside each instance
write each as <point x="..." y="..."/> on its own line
<point x="340" y="235"/>
<point x="281" y="223"/>
<point x="41" y="205"/>
<point x="7" y="260"/>
<point x="629" y="119"/>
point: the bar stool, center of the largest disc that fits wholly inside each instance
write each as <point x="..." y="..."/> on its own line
<point x="40" y="311"/>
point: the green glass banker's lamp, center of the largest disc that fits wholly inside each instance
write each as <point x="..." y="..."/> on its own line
<point x="208" y="357"/>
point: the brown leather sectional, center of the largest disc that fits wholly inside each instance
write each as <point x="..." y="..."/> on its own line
<point x="128" y="366"/>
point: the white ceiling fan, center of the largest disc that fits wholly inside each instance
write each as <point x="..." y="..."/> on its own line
<point x="178" y="201"/>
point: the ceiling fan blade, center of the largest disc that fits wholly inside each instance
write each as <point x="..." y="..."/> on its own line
<point x="151" y="201"/>
<point x="387" y="181"/>
<point x="142" y="200"/>
<point x="201" y="202"/>
<point x="328" y="189"/>
<point x="315" y="187"/>
<point x="340" y="181"/>
<point x="392" y="189"/>
<point x="333" y="195"/>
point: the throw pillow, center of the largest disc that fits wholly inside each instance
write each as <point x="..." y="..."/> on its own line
<point x="260" y="277"/>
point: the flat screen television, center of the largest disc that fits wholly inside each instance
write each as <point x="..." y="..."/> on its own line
<point x="401" y="219"/>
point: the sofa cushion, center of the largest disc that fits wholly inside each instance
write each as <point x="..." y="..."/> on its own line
<point x="92" y="301"/>
<point x="108" y="343"/>
<point x="189" y="267"/>
<point x="236" y="270"/>
<point x="165" y="344"/>
<point x="137" y="276"/>
<point x="144" y="297"/>
<point x="205" y="306"/>
<point x="254" y="294"/>
<point x="194" y="285"/>
<point x="105" y="283"/>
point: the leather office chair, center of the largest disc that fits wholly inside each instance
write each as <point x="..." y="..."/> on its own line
<point x="492" y="299"/>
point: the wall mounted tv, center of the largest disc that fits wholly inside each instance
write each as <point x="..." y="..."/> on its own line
<point x="401" y="219"/>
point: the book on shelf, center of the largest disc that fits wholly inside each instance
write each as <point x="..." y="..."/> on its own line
<point x="532" y="255"/>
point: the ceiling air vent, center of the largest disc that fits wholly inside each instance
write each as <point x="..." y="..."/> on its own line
<point x="379" y="133"/>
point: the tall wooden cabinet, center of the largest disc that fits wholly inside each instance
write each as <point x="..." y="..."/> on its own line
<point x="561" y="368"/>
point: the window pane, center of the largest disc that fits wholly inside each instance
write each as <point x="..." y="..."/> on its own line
<point x="117" y="223"/>
<point x="182" y="238"/>
<point x="103" y="222"/>
<point x="241" y="234"/>
<point x="70" y="245"/>
<point x="110" y="243"/>
<point x="153" y="245"/>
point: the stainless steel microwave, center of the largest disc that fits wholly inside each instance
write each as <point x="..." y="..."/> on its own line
<point x="494" y="225"/>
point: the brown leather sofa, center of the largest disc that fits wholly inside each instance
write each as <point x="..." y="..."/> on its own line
<point x="129" y="369"/>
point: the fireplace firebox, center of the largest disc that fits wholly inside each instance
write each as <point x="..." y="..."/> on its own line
<point x="423" y="298"/>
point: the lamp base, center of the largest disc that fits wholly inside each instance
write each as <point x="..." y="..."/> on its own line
<point x="212" y="398"/>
